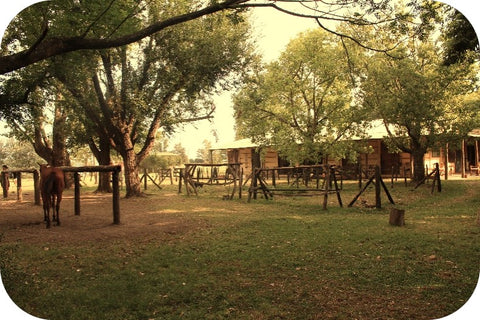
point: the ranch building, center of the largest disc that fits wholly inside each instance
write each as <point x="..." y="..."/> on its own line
<point x="461" y="158"/>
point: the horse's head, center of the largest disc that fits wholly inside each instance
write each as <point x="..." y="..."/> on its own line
<point x="43" y="166"/>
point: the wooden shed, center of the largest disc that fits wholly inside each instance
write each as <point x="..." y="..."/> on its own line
<point x="250" y="155"/>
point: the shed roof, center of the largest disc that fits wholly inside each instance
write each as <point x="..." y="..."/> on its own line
<point x="237" y="144"/>
<point x="377" y="130"/>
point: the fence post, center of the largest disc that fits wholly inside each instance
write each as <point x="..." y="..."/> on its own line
<point x="327" y="186"/>
<point x="437" y="177"/>
<point x="76" y="179"/>
<point x="378" y="177"/>
<point x="115" y="197"/>
<point x="5" y="182"/>
<point x="19" y="187"/>
<point x="36" y="187"/>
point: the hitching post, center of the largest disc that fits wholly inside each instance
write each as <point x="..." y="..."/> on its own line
<point x="116" y="198"/>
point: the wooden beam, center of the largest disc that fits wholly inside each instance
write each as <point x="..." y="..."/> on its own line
<point x="111" y="168"/>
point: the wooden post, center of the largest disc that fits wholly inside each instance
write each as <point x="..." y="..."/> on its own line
<point x="437" y="178"/>
<point x="240" y="183"/>
<point x="36" y="187"/>
<point x="19" y="186"/>
<point x="397" y="217"/>
<point x="255" y="182"/>
<point x="393" y="168"/>
<point x="76" y="179"/>
<point x="446" y="161"/>
<point x="378" y="177"/>
<point x="477" y="155"/>
<point x="337" y="191"/>
<point x="4" y="178"/>
<point x="180" y="178"/>
<point x="327" y="187"/>
<point x="116" y="198"/>
<point x="145" y="179"/>
<point x="359" y="168"/>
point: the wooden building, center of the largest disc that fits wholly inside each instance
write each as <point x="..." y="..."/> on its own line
<point x="462" y="159"/>
<point x="250" y="155"/>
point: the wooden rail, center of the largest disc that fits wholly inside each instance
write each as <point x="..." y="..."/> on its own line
<point x="18" y="176"/>
<point x="115" y="169"/>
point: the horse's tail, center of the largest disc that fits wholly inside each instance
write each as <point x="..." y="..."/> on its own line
<point x="49" y="185"/>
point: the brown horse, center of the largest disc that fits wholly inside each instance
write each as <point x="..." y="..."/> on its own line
<point x="51" y="186"/>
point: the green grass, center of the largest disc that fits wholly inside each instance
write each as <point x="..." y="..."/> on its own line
<point x="280" y="259"/>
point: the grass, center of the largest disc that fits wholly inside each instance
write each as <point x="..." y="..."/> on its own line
<point x="280" y="259"/>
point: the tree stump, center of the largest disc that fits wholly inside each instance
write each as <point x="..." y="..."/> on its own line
<point x="397" y="217"/>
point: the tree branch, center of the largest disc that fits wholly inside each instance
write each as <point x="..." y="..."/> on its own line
<point x="56" y="46"/>
<point x="46" y="48"/>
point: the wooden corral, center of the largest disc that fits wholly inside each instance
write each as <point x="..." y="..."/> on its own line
<point x="200" y="174"/>
<point x="298" y="182"/>
<point x="376" y="178"/>
<point x="160" y="174"/>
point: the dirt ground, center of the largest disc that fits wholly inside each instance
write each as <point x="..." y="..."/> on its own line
<point x="141" y="219"/>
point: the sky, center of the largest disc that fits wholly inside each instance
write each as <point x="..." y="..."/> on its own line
<point x="274" y="30"/>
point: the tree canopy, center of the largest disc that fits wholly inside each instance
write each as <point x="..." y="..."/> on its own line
<point x="124" y="95"/>
<point x="55" y="33"/>
<point x="311" y="100"/>
<point x="422" y="99"/>
<point x="303" y="104"/>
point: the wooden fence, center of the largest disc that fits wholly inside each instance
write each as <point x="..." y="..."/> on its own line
<point x="192" y="177"/>
<point x="115" y="169"/>
<point x="18" y="176"/>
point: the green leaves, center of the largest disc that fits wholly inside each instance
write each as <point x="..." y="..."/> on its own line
<point x="302" y="103"/>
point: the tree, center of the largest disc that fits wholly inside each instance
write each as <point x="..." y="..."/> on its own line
<point x="125" y="95"/>
<point x="18" y="155"/>
<point x="459" y="37"/>
<point x="49" y="40"/>
<point x="421" y="98"/>
<point x="303" y="104"/>
<point x="41" y="104"/>
<point x="167" y="85"/>
<point x="181" y="152"/>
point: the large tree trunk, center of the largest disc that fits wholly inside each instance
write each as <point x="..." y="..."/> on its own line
<point x="102" y="154"/>
<point x="132" y="178"/>
<point x="418" y="164"/>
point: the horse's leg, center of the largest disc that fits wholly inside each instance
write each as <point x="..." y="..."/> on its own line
<point x="45" y="208"/>
<point x="47" y="216"/>
<point x="54" y="215"/>
<point x="57" y="207"/>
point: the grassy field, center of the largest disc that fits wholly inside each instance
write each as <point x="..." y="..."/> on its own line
<point x="279" y="259"/>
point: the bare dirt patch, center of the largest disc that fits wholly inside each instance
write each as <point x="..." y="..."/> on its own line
<point x="142" y="219"/>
